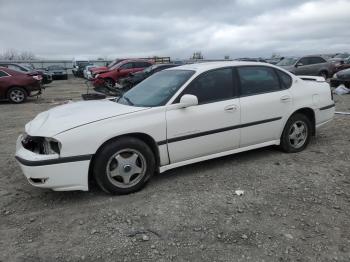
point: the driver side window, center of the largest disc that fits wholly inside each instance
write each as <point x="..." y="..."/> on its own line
<point x="304" y="61"/>
<point x="213" y="86"/>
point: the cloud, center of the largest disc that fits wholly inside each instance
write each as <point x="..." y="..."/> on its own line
<point x="64" y="29"/>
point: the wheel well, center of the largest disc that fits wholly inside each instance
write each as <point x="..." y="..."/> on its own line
<point x="142" y="136"/>
<point x="324" y="71"/>
<point x="25" y="89"/>
<point x="310" y="114"/>
<point x="109" y="78"/>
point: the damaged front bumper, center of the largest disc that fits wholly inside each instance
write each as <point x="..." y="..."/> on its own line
<point x="53" y="171"/>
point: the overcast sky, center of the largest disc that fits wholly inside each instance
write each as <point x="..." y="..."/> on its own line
<point x="176" y="28"/>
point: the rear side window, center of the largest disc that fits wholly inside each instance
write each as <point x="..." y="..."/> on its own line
<point x="216" y="85"/>
<point x="286" y="80"/>
<point x="2" y="74"/>
<point x="257" y="80"/>
<point x="317" y="60"/>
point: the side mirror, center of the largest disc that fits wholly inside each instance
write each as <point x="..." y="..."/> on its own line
<point x="299" y="64"/>
<point x="188" y="100"/>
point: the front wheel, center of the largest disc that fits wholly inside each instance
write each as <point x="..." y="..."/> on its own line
<point x="124" y="166"/>
<point x="17" y="95"/>
<point x="109" y="83"/>
<point x="296" y="134"/>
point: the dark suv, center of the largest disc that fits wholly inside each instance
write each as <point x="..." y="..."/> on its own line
<point x="308" y="65"/>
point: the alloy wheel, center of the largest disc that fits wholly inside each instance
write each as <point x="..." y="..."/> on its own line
<point x="126" y="168"/>
<point x="298" y="133"/>
<point x="17" y="96"/>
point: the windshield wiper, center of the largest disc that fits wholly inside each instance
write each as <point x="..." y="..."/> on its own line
<point x="126" y="99"/>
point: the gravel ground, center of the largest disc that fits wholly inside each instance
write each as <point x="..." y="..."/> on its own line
<point x="295" y="207"/>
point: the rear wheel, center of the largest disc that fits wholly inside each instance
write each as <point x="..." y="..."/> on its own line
<point x="17" y="95"/>
<point x="123" y="166"/>
<point x="296" y="134"/>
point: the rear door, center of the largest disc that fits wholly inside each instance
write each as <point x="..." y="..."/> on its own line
<point x="126" y="69"/>
<point x="265" y="103"/>
<point x="210" y="127"/>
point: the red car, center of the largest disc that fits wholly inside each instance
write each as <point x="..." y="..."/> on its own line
<point x="17" y="86"/>
<point x="100" y="69"/>
<point x="122" y="69"/>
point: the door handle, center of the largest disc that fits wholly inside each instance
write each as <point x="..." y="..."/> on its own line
<point x="231" y="108"/>
<point x="286" y="98"/>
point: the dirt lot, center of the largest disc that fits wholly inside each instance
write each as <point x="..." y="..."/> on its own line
<point x="296" y="207"/>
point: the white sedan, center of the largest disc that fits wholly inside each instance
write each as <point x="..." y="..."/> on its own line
<point x="176" y="117"/>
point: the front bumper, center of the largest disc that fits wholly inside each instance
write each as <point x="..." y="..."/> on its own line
<point x="52" y="171"/>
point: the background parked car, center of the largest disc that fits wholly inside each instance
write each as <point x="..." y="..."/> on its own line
<point x="341" y="77"/>
<point x="17" y="86"/>
<point x="58" y="72"/>
<point x="135" y="78"/>
<point x="342" y="65"/>
<point x="247" y="59"/>
<point x="87" y="71"/>
<point x="78" y="67"/>
<point x="46" y="76"/>
<point x="122" y="69"/>
<point x="340" y="58"/>
<point x="99" y="69"/>
<point x="308" y="65"/>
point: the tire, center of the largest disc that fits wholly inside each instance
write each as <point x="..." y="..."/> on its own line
<point x="324" y="74"/>
<point x="123" y="166"/>
<point x="109" y="83"/>
<point x="17" y="95"/>
<point x="291" y="135"/>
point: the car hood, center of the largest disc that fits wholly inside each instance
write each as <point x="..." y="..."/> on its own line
<point x="62" y="118"/>
<point x="344" y="73"/>
<point x="96" y="69"/>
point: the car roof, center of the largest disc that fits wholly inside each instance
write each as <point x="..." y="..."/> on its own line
<point x="202" y="67"/>
<point x="10" y="71"/>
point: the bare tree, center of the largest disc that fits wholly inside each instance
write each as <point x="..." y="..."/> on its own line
<point x="12" y="54"/>
<point x="26" y="55"/>
<point x="197" y="55"/>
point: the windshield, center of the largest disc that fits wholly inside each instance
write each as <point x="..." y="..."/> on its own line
<point x="287" y="61"/>
<point x="157" y="89"/>
<point x="342" y="56"/>
<point x="117" y="65"/>
<point x="113" y="63"/>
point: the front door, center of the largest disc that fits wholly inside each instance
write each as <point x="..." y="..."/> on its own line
<point x="210" y="127"/>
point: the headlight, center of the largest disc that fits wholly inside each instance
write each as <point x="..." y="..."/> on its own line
<point x="41" y="145"/>
<point x="335" y="76"/>
<point x="97" y="75"/>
